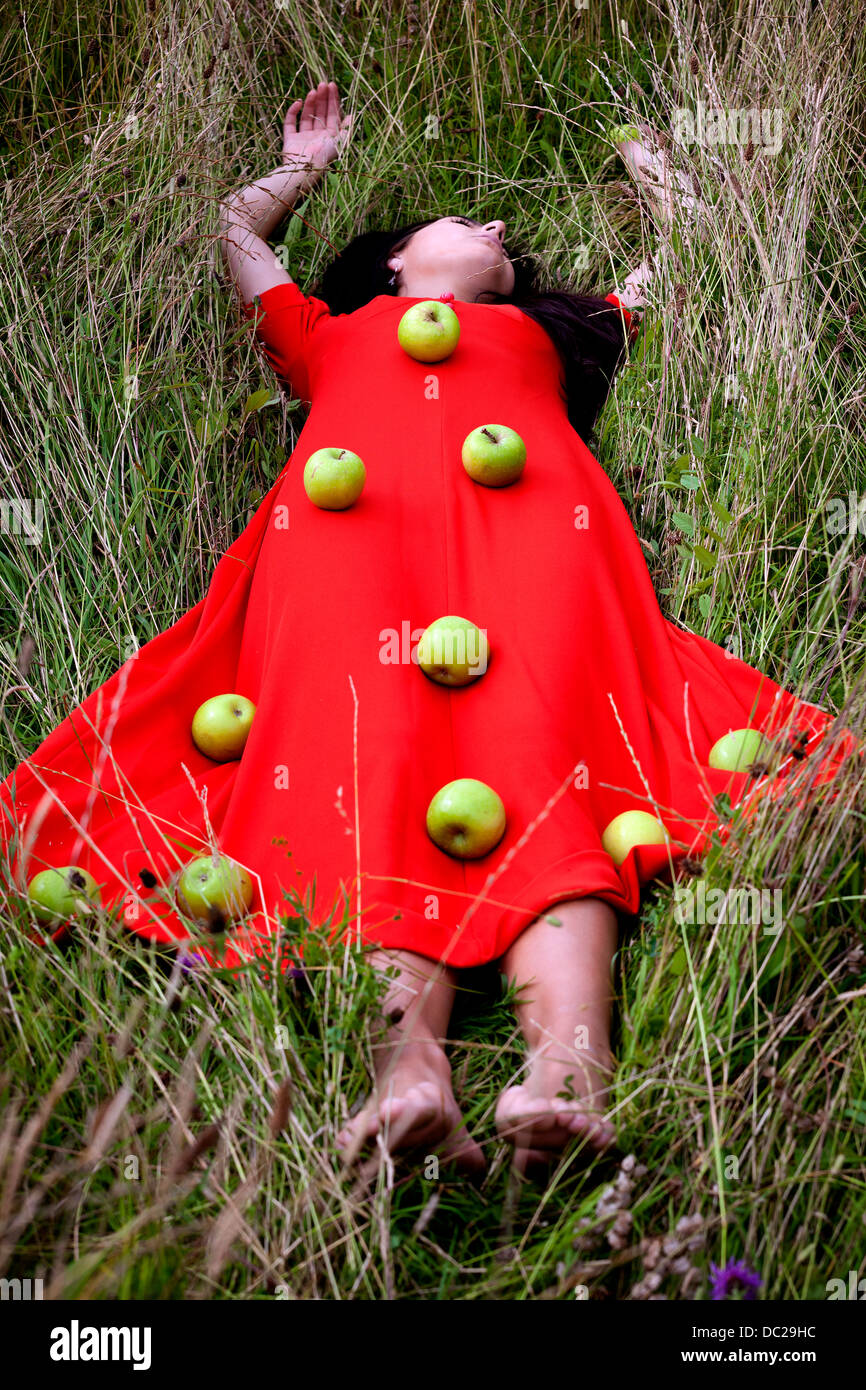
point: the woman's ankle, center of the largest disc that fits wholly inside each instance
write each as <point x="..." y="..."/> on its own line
<point x="421" y="1054"/>
<point x="582" y="1075"/>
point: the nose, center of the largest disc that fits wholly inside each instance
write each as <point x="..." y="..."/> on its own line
<point x="497" y="228"/>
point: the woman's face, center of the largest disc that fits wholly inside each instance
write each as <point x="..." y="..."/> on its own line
<point x="458" y="253"/>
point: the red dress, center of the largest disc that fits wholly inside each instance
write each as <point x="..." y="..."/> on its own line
<point x="590" y="696"/>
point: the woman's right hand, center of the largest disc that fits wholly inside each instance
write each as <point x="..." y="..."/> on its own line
<point x="315" y="130"/>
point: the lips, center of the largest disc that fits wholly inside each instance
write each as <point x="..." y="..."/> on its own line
<point x="494" y="241"/>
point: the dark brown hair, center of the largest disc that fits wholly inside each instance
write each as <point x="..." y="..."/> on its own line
<point x="586" y="330"/>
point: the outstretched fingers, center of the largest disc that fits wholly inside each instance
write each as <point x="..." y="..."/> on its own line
<point x="290" y="124"/>
<point x="319" y="111"/>
<point x="334" y="114"/>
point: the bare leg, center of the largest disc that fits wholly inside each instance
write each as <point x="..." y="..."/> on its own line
<point x="564" y="1014"/>
<point x="413" y="1103"/>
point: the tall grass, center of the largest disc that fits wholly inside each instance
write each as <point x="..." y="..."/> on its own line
<point x="172" y="1136"/>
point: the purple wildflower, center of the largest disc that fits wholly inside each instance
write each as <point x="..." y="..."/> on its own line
<point x="300" y="979"/>
<point x="734" y="1276"/>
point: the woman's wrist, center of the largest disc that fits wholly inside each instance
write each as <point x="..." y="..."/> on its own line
<point x="632" y="294"/>
<point x="304" y="175"/>
<point x="262" y="205"/>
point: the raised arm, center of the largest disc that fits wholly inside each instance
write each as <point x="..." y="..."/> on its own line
<point x="643" y="155"/>
<point x="314" y="133"/>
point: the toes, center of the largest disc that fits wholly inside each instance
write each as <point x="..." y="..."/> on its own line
<point x="597" y="1132"/>
<point x="606" y="1137"/>
<point x="538" y="1162"/>
<point x="367" y="1123"/>
<point x="517" y="1110"/>
<point x="420" y="1116"/>
<point x="419" y="1113"/>
<point x="425" y="1116"/>
<point x="538" y="1126"/>
<point x="525" y="1119"/>
<point x="580" y="1121"/>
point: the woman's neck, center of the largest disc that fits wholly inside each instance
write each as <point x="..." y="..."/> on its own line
<point x="433" y="287"/>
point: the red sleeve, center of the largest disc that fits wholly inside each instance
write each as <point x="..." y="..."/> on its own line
<point x="631" y="328"/>
<point x="289" y="323"/>
<point x="626" y="313"/>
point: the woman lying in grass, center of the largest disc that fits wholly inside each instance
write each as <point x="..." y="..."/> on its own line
<point x="499" y="786"/>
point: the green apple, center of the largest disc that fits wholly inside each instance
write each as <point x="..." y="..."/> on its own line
<point x="494" y="455"/>
<point x="58" y="894"/>
<point x="220" y="726"/>
<point x="453" y="651"/>
<point x="334" y="479"/>
<point x="738" y="749"/>
<point x="619" y="134"/>
<point x="631" y="828"/>
<point x="214" y="889"/>
<point x="429" y="331"/>
<point x="466" y="818"/>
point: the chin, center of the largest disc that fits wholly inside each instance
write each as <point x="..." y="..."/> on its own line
<point x="495" y="290"/>
<point x="500" y="283"/>
<point x="494" y="282"/>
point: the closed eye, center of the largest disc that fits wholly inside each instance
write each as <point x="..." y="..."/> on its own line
<point x="464" y="221"/>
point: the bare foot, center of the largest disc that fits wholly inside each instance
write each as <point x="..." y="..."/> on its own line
<point x="415" y="1108"/>
<point x="413" y="1105"/>
<point x="541" y="1127"/>
<point x="562" y="965"/>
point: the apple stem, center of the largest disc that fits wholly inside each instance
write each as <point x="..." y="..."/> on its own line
<point x="491" y="437"/>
